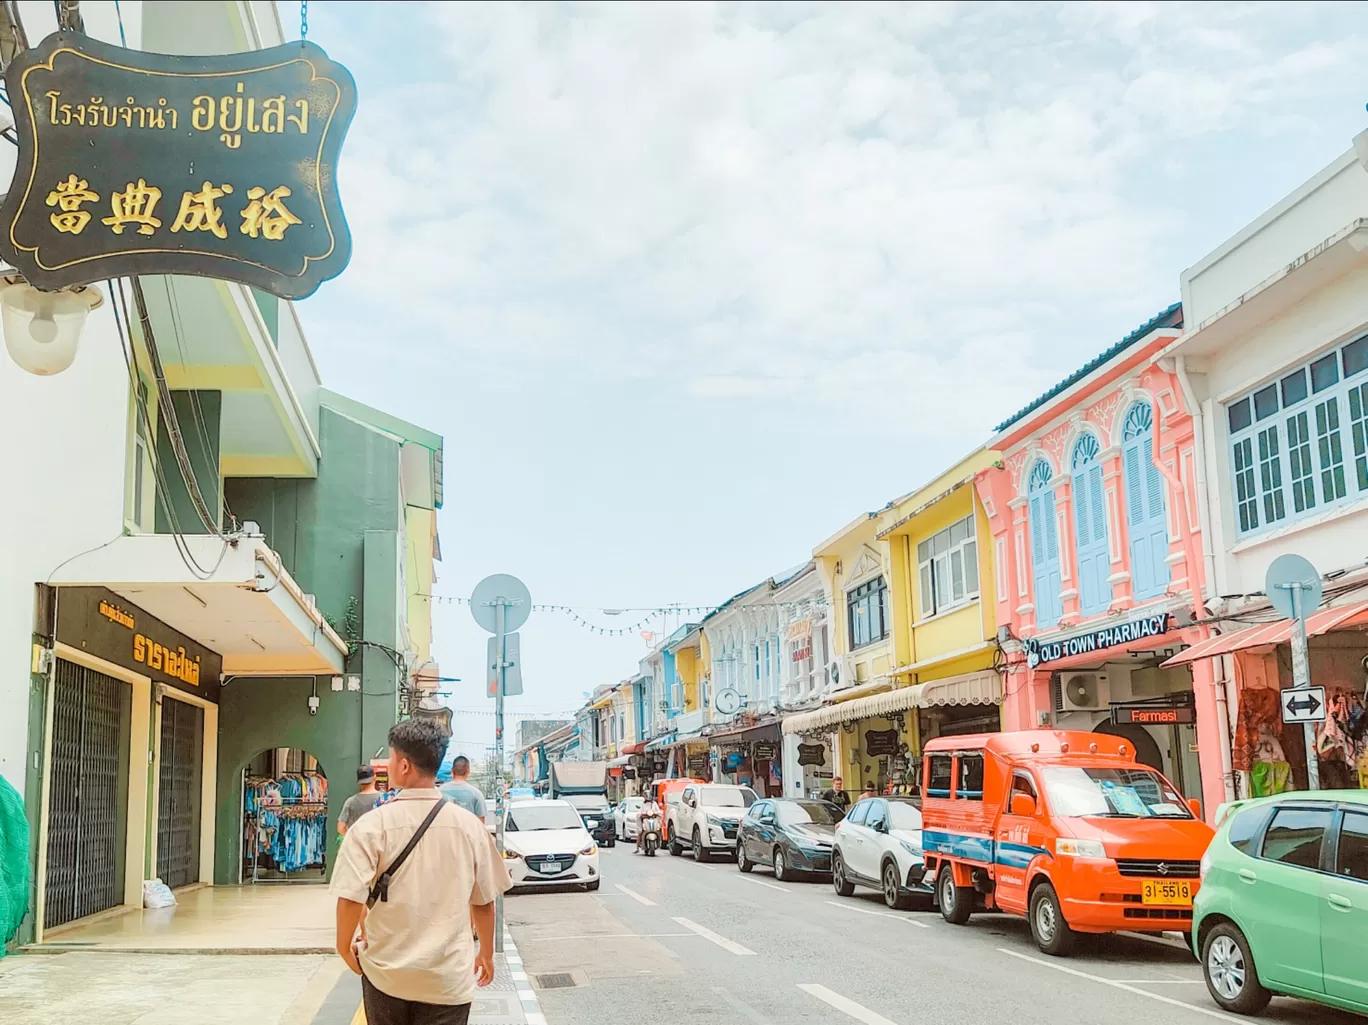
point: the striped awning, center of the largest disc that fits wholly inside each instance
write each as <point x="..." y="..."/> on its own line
<point x="981" y="688"/>
<point x="1279" y="632"/>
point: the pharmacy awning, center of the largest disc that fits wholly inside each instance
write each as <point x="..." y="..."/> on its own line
<point x="1278" y="632"/>
<point x="981" y="688"/>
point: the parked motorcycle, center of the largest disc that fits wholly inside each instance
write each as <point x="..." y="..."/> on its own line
<point x="650" y="835"/>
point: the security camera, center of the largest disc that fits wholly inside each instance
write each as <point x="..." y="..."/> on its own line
<point x="313" y="704"/>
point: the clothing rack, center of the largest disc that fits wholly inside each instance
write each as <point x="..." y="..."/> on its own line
<point x="285" y="823"/>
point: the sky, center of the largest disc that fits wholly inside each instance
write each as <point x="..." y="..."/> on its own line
<point x="686" y="288"/>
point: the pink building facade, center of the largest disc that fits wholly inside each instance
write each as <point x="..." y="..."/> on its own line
<point x="1096" y="513"/>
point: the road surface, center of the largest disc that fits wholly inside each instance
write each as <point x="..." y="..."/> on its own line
<point x="667" y="941"/>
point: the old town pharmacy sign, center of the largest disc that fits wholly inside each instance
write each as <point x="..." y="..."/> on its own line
<point x="144" y="163"/>
<point x="1108" y="637"/>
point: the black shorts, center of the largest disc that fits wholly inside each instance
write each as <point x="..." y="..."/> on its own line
<point x="383" y="1009"/>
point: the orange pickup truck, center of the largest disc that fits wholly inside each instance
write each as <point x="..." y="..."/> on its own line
<point x="1064" y="828"/>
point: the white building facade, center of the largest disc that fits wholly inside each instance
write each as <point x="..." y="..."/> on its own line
<point x="1275" y="361"/>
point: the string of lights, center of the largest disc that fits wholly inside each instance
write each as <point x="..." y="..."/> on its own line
<point x="651" y="613"/>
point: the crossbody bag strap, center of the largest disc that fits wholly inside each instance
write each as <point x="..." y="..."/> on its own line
<point x="380" y="891"/>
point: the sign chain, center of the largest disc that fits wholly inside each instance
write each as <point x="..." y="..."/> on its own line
<point x="303" y="20"/>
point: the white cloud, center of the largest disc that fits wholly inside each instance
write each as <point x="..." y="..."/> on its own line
<point x="757" y="199"/>
<point x="897" y="222"/>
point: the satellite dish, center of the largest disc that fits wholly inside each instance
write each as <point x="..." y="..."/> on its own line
<point x="1292" y="572"/>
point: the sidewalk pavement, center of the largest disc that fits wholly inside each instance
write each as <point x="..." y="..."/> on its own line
<point x="508" y="1000"/>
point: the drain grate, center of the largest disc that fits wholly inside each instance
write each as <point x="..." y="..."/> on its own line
<point x="555" y="980"/>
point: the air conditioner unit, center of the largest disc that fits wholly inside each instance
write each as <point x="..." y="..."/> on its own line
<point x="1084" y="692"/>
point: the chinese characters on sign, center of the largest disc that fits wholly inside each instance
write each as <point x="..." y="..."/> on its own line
<point x="132" y="162"/>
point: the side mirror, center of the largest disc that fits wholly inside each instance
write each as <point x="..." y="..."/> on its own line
<point x="1195" y="806"/>
<point x="1023" y="805"/>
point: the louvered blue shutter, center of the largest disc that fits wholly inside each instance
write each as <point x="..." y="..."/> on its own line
<point x="1045" y="557"/>
<point x="1145" y="512"/>
<point x="1090" y="516"/>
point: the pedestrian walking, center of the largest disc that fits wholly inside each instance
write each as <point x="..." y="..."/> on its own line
<point x="463" y="792"/>
<point x="836" y="795"/>
<point x="427" y="873"/>
<point x="360" y="802"/>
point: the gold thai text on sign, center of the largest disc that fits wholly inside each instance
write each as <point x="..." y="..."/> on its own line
<point x="231" y="116"/>
<point x="174" y="662"/>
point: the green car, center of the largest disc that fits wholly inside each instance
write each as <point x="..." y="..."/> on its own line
<point x="1283" y="905"/>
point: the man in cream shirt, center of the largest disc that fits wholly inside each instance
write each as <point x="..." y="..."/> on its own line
<point x="415" y="955"/>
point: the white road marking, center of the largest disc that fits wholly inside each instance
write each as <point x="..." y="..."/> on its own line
<point x="636" y="896"/>
<point x="1162" y="982"/>
<point x="857" y="1011"/>
<point x="1163" y="939"/>
<point x="746" y="1009"/>
<point x="761" y="882"/>
<point x="606" y="936"/>
<point x="879" y="914"/>
<point x="1195" y="1008"/>
<point x="721" y="941"/>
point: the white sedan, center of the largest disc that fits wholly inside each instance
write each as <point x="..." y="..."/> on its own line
<point x="546" y="844"/>
<point x="625" y="822"/>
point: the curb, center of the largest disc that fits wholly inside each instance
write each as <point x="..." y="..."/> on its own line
<point x="526" y="995"/>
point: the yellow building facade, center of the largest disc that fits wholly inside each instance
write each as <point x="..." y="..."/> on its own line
<point x="915" y="640"/>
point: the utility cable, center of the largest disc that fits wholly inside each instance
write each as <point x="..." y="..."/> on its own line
<point x="208" y="518"/>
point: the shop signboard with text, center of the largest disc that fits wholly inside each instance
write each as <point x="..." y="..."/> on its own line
<point x="1116" y="635"/>
<point x="141" y="163"/>
<point x="101" y="623"/>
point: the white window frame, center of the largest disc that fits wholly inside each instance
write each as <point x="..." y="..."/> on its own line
<point x="935" y="568"/>
<point x="1263" y="454"/>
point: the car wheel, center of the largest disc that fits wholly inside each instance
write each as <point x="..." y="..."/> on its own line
<point x="843" y="886"/>
<point x="742" y="862"/>
<point x="1228" y="967"/>
<point x="700" y="852"/>
<point x="676" y="848"/>
<point x="956" y="902"/>
<point x="1048" y="928"/>
<point x="782" y="872"/>
<point x="893" y="894"/>
<point x="590" y="887"/>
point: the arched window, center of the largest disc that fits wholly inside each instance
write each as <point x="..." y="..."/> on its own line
<point x="1149" y="544"/>
<point x="1090" y="528"/>
<point x="1044" y="545"/>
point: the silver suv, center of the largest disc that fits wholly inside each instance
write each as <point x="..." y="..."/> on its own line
<point x="707" y="818"/>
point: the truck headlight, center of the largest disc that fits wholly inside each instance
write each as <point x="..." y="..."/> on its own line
<point x="1080" y="848"/>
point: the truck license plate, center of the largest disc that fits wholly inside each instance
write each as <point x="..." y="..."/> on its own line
<point x="1176" y="893"/>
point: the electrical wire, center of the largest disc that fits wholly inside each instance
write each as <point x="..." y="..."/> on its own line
<point x="207" y="518"/>
<point x="119" y="305"/>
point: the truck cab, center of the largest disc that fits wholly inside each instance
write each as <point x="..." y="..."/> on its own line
<point x="707" y="819"/>
<point x="1064" y="828"/>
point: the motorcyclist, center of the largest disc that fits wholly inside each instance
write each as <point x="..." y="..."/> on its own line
<point x="648" y="809"/>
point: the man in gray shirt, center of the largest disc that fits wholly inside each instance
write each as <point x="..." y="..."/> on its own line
<point x="461" y="791"/>
<point x="359" y="803"/>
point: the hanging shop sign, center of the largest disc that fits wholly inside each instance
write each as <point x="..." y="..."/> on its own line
<point x="99" y="622"/>
<point x="762" y="752"/>
<point x="811" y="754"/>
<point x="1140" y="715"/>
<point x="881" y="742"/>
<point x="144" y="163"/>
<point x="1108" y="637"/>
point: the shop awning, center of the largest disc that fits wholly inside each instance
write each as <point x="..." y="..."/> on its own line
<point x="634" y="749"/>
<point x="744" y="734"/>
<point x="1279" y="632"/>
<point x="982" y="688"/>
<point x="620" y="761"/>
<point x="660" y="743"/>
<point x="234" y="598"/>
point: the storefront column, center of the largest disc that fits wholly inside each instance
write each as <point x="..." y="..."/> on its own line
<point x="1025" y="695"/>
<point x="1213" y="739"/>
<point x="789" y="767"/>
